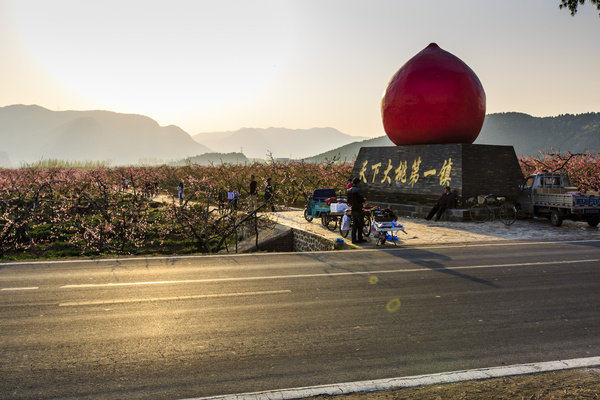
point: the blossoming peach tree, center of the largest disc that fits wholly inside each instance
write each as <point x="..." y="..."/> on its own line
<point x="583" y="168"/>
<point x="56" y="212"/>
<point x="132" y="210"/>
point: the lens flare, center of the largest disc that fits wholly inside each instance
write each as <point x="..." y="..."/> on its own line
<point x="393" y="305"/>
<point x="373" y="279"/>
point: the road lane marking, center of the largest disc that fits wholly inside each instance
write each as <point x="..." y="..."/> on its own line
<point x="411" y="381"/>
<point x="171" y="298"/>
<point x="203" y="256"/>
<point x="19" y="288"/>
<point x="331" y="274"/>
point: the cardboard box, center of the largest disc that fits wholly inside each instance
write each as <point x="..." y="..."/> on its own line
<point x="338" y="207"/>
<point x="550" y="191"/>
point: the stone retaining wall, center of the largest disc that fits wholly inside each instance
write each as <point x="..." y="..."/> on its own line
<point x="307" y="241"/>
<point x="289" y="240"/>
<point x="284" y="242"/>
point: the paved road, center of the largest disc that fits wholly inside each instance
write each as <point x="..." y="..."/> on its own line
<point x="188" y="327"/>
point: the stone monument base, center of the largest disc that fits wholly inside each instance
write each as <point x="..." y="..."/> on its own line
<point x="407" y="211"/>
<point x="410" y="178"/>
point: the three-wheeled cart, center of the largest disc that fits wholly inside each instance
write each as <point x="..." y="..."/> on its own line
<point x="387" y="231"/>
<point x="386" y="226"/>
<point x="318" y="206"/>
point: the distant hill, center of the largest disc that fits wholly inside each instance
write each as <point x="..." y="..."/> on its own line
<point x="567" y="132"/>
<point x="214" y="159"/>
<point x="31" y="133"/>
<point x="280" y="142"/>
<point x="527" y="134"/>
<point x="350" y="151"/>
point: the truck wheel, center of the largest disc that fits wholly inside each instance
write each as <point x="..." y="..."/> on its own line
<point x="593" y="221"/>
<point x="556" y="218"/>
<point x="520" y="213"/>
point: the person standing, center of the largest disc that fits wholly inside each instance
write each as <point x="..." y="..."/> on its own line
<point x="252" y="203"/>
<point x="236" y="199"/>
<point x="230" y="199"/>
<point x="180" y="193"/>
<point x="356" y="200"/>
<point x="444" y="202"/>
<point x="269" y="195"/>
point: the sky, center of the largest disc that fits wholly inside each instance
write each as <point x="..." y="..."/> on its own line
<point x="220" y="65"/>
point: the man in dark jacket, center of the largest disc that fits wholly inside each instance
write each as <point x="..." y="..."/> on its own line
<point x="252" y="203"/>
<point x="269" y="195"/>
<point x="356" y="200"/>
<point x="444" y="202"/>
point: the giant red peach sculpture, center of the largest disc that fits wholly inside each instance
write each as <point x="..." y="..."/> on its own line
<point x="434" y="98"/>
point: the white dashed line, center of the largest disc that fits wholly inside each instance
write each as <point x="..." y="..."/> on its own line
<point x="191" y="297"/>
<point x="329" y="274"/>
<point x="19" y="288"/>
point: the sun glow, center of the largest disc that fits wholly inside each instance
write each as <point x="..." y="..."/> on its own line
<point x="124" y="54"/>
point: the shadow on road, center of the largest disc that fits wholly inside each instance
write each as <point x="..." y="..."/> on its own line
<point x="434" y="262"/>
<point x="420" y="257"/>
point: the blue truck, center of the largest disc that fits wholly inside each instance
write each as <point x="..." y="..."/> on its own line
<point x="550" y="195"/>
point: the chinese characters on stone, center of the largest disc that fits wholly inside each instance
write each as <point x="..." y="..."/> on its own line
<point x="385" y="174"/>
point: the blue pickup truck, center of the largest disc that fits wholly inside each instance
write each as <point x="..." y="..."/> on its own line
<point x="550" y="194"/>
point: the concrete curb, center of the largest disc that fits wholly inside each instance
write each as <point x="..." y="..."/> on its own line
<point x="411" y="381"/>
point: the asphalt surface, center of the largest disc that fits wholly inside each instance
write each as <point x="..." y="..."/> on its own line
<point x="184" y="327"/>
<point x="238" y="333"/>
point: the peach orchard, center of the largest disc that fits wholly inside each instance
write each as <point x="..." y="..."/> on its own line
<point x="58" y="212"/>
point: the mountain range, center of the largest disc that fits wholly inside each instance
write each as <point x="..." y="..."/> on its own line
<point x="565" y="133"/>
<point x="528" y="135"/>
<point x="31" y="133"/>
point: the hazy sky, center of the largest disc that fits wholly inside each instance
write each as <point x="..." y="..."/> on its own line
<point x="225" y="64"/>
